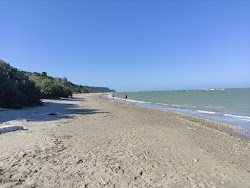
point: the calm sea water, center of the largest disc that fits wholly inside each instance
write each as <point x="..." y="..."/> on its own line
<point x="230" y="106"/>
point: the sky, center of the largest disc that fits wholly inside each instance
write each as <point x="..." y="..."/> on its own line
<point x="130" y="45"/>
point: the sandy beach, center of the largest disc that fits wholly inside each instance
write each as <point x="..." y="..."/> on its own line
<point x="98" y="142"/>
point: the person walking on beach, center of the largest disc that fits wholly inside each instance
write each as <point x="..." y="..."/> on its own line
<point x="113" y="96"/>
<point x="126" y="96"/>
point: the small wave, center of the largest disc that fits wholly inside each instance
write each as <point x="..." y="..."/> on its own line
<point x="183" y="107"/>
<point x="135" y="101"/>
<point x="234" y="116"/>
<point x="129" y="100"/>
<point x="109" y="95"/>
<point x="161" y="103"/>
<point x="206" y="112"/>
<point x="171" y="105"/>
<point x="244" y="118"/>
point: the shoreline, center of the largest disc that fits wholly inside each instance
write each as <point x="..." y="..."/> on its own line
<point x="97" y="142"/>
<point x="217" y="125"/>
<point x="241" y="127"/>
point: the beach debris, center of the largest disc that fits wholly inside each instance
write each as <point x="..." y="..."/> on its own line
<point x="79" y="162"/>
<point x="21" y="181"/>
<point x="8" y="123"/>
<point x="61" y="148"/>
<point x="57" y="142"/>
<point x="13" y="122"/>
<point x="24" y="155"/>
<point x="8" y="128"/>
<point x="52" y="114"/>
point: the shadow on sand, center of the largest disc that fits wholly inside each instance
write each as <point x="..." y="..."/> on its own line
<point x="59" y="107"/>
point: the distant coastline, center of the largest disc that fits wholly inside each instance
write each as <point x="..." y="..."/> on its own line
<point x="211" y="89"/>
<point x="201" y="90"/>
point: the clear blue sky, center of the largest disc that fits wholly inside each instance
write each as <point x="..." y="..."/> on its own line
<point x="130" y="45"/>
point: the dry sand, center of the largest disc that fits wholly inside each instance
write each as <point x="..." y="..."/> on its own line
<point x="97" y="142"/>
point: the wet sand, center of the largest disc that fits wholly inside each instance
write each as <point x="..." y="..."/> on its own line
<point x="97" y="142"/>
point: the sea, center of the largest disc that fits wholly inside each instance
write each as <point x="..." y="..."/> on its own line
<point x="231" y="106"/>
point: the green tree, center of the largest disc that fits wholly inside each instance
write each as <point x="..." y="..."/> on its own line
<point x="44" y="74"/>
<point x="51" y="89"/>
<point x="16" y="90"/>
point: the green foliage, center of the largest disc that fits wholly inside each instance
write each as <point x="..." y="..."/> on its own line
<point x="21" y="88"/>
<point x="44" y="74"/>
<point x="16" y="90"/>
<point x="51" y="89"/>
<point x="56" y="87"/>
<point x="79" y="89"/>
<point x="63" y="81"/>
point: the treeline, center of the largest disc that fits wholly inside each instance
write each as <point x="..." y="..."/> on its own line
<point x="51" y="89"/>
<point x="74" y="88"/>
<point x="43" y="79"/>
<point x="16" y="90"/>
<point x="20" y="88"/>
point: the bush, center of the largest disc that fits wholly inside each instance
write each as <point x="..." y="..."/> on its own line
<point x="16" y="90"/>
<point x="51" y="89"/>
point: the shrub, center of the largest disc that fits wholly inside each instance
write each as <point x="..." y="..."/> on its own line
<point x="50" y="89"/>
<point x="16" y="90"/>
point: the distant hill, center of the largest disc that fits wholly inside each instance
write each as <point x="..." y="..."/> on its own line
<point x="101" y="89"/>
<point x="76" y="88"/>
